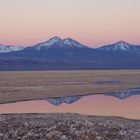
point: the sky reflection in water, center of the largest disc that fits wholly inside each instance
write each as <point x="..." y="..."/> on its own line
<point x="125" y="103"/>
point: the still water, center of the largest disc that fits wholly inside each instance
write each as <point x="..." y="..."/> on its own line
<point x="122" y="103"/>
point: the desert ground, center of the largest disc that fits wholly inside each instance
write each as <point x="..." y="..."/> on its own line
<point x="32" y="85"/>
<point x="67" y="127"/>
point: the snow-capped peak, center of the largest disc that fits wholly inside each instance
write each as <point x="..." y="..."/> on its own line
<point x="68" y="42"/>
<point x="6" y="49"/>
<point x="119" y="46"/>
<point x="51" y="42"/>
<point x="59" y="43"/>
<point x="122" y="45"/>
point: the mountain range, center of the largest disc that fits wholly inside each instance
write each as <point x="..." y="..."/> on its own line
<point x="62" y="54"/>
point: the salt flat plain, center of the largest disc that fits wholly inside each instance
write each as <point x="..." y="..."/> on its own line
<point x="33" y="85"/>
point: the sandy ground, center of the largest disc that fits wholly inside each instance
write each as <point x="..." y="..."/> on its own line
<point x="67" y="127"/>
<point x="32" y="85"/>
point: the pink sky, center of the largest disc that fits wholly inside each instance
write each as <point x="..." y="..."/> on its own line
<point x="91" y="22"/>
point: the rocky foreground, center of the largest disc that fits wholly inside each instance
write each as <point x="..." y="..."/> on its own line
<point x="67" y="127"/>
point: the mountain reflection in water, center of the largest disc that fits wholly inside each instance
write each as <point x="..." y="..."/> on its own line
<point x="108" y="104"/>
<point x="71" y="99"/>
<point x="67" y="100"/>
<point x="125" y="93"/>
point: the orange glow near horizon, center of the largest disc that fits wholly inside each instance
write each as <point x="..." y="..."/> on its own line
<point x="91" y="22"/>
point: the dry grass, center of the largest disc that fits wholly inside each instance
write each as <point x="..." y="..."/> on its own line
<point x="17" y="86"/>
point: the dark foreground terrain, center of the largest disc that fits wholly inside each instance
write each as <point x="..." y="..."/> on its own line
<point x="67" y="127"/>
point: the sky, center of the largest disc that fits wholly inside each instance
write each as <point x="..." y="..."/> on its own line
<point x="91" y="22"/>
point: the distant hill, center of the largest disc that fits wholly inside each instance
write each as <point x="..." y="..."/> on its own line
<point x="61" y="54"/>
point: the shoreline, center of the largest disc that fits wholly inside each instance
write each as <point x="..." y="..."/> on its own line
<point x="80" y="114"/>
<point x="42" y="99"/>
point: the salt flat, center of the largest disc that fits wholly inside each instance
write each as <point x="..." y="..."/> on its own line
<point x="32" y="85"/>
